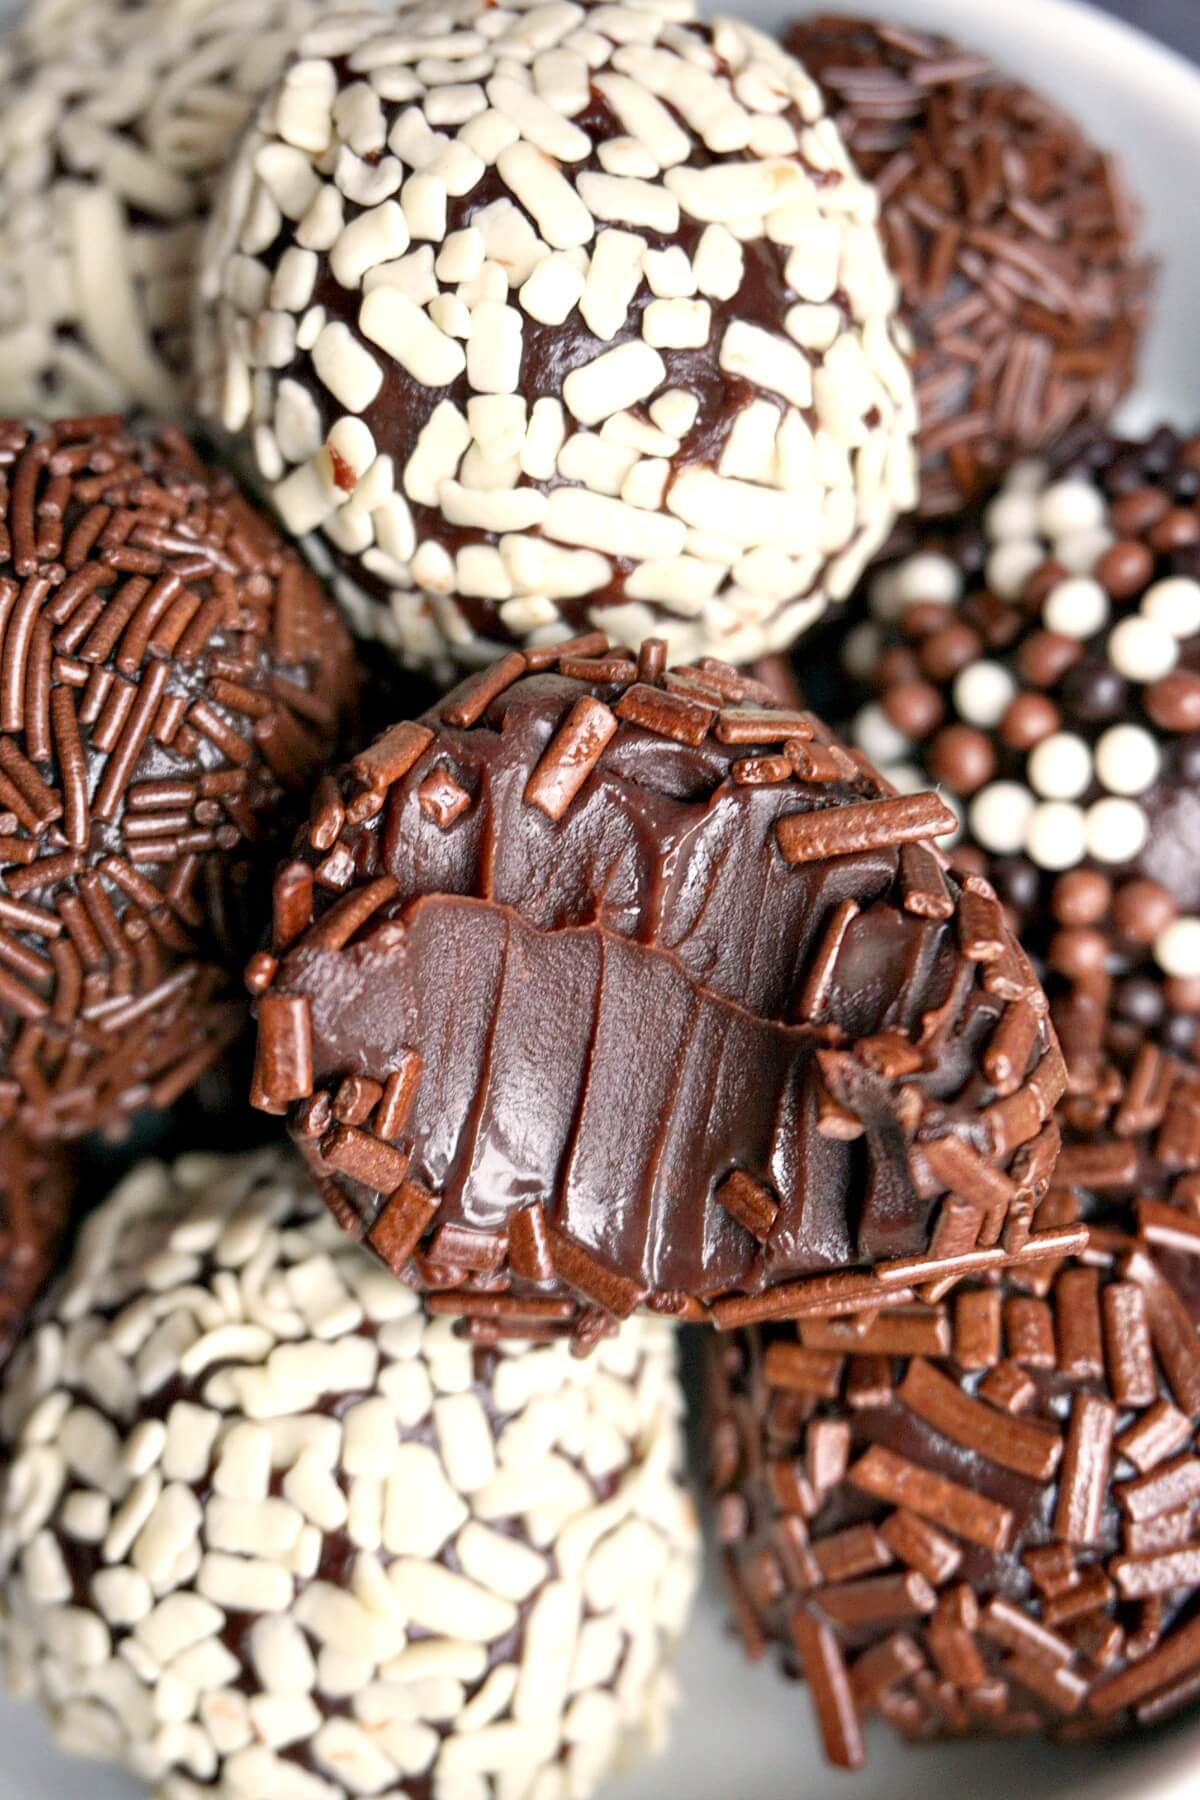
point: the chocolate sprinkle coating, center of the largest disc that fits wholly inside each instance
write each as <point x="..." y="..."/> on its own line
<point x="978" y="1519"/>
<point x="1042" y="664"/>
<point x="271" y="1531"/>
<point x="604" y="985"/>
<point x="1012" y="237"/>
<point x="37" y="1188"/>
<point x="598" y="334"/>
<point x="170" y="677"/>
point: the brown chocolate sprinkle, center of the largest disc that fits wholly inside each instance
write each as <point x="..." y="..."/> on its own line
<point x="1054" y="1430"/>
<point x="130" y="855"/>
<point x="645" y="965"/>
<point x="1011" y="237"/>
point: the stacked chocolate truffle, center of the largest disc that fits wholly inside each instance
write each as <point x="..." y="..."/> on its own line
<point x="1045" y="670"/>
<point x="270" y="1530"/>
<point x="171" y="680"/>
<point x="650" y="896"/>
<point x="977" y="1519"/>
<point x="600" y="336"/>
<point x="1012" y="239"/>
<point x="610" y="984"/>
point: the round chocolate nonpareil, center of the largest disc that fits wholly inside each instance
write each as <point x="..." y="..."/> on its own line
<point x="599" y="334"/>
<point x="116" y="118"/>
<point x="1059" y="648"/>
<point x="976" y="1517"/>
<point x="600" y="986"/>
<point x="269" y="1528"/>
<point x="170" y="676"/>
<point x="1012" y="238"/>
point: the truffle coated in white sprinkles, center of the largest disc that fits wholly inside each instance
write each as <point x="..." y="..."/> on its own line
<point x="116" y="120"/>
<point x="450" y="1502"/>
<point x="599" y="264"/>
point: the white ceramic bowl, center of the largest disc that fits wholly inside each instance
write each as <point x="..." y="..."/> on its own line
<point x="743" y="1733"/>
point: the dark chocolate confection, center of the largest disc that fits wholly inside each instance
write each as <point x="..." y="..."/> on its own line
<point x="601" y="986"/>
<point x="1042" y="665"/>
<point x="37" y="1186"/>
<point x="613" y="347"/>
<point x="305" y="1543"/>
<point x="978" y="1519"/>
<point x="1012" y="237"/>
<point x="170" y="676"/>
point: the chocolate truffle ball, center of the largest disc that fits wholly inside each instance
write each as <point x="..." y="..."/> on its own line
<point x="1011" y="236"/>
<point x="37" y="1187"/>
<point x="975" y="1517"/>
<point x="171" y="677"/>
<point x="271" y="1529"/>
<point x="600" y="986"/>
<point x="116" y="117"/>
<point x="598" y="334"/>
<point x="1069" y="725"/>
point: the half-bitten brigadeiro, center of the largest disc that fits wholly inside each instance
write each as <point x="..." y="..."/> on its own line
<point x="171" y="679"/>
<point x="977" y="1518"/>
<point x="271" y="1530"/>
<point x="598" y="335"/>
<point x="1012" y="238"/>
<point x="604" y="985"/>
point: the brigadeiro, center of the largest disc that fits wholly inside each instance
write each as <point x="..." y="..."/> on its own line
<point x="600" y="986"/>
<point x="976" y="1518"/>
<point x="271" y="1529"/>
<point x="116" y="117"/>
<point x="598" y="334"/>
<point x="1045" y="671"/>
<point x="170" y="676"/>
<point x="37" y="1188"/>
<point x="1012" y="237"/>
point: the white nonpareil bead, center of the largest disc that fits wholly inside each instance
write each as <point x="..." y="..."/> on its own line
<point x="1175" y="605"/>
<point x="1010" y="565"/>
<point x="1070" y="506"/>
<point x="1116" y="830"/>
<point x="999" y="817"/>
<point x="1127" y="759"/>
<point x="1177" y="949"/>
<point x="1142" y="650"/>
<point x="983" y="692"/>
<point x="1060" y="768"/>
<point x="1076" y="608"/>
<point x="1054" y="835"/>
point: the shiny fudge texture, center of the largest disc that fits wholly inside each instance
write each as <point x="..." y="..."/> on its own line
<point x="603" y="985"/>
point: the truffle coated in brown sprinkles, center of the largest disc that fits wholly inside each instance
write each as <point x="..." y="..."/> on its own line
<point x="170" y="676"/>
<point x="1028" y="1449"/>
<point x="461" y="1004"/>
<point x="1013" y="240"/>
<point x="37" y="1188"/>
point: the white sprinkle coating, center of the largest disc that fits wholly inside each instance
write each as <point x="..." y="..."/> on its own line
<point x="380" y="1653"/>
<point x="1100" y="785"/>
<point x="602" y="267"/>
<point x="116" y="121"/>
